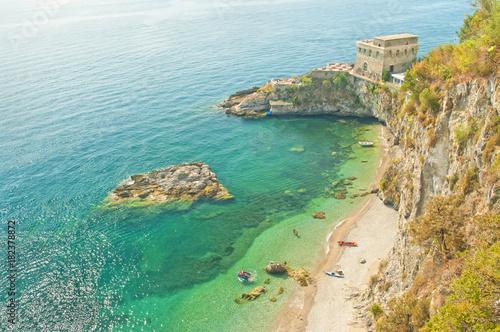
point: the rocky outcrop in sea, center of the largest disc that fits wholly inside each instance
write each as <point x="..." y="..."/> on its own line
<point x="185" y="182"/>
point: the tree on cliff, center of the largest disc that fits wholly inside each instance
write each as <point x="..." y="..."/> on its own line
<point x="443" y="221"/>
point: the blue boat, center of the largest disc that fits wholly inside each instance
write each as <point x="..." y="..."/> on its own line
<point x="245" y="275"/>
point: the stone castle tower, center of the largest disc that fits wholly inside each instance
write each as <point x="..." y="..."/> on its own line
<point x="394" y="53"/>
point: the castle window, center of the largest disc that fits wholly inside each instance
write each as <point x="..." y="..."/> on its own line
<point x="406" y="43"/>
<point x="359" y="49"/>
<point x="378" y="54"/>
<point x="390" y="53"/>
<point x="370" y="53"/>
<point x="413" y="51"/>
<point x="406" y="52"/>
<point x="364" y="50"/>
<point x="378" y="45"/>
<point x="365" y="66"/>
<point x="397" y="52"/>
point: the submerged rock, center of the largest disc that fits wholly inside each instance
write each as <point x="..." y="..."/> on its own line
<point x="185" y="182"/>
<point x="301" y="276"/>
<point x="254" y="293"/>
<point x="340" y="196"/>
<point x="297" y="148"/>
<point x="319" y="215"/>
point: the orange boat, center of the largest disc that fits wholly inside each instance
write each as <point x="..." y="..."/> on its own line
<point x="344" y="243"/>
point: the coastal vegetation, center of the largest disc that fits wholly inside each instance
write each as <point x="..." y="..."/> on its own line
<point x="456" y="233"/>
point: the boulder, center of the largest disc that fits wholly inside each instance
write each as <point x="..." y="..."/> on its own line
<point x="275" y="268"/>
<point x="319" y="215"/>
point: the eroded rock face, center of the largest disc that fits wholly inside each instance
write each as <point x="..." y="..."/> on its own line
<point x="178" y="182"/>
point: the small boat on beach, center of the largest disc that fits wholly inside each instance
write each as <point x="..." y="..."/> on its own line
<point x="338" y="274"/>
<point x="365" y="143"/>
<point x="349" y="244"/>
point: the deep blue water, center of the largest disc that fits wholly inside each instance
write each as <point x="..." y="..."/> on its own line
<point x="92" y="92"/>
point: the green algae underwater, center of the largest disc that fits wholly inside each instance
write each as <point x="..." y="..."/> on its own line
<point x="185" y="261"/>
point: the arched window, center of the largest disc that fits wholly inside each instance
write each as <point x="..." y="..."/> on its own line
<point x="370" y="53"/>
<point x="365" y="66"/>
<point x="397" y="52"/>
<point x="406" y="52"/>
<point x="390" y="53"/>
<point x="413" y="51"/>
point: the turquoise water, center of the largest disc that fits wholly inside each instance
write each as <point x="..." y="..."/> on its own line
<point x="93" y="92"/>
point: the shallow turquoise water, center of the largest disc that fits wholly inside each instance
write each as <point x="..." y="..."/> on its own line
<point x="93" y="92"/>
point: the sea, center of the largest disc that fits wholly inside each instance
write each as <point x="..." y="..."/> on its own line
<point x="94" y="91"/>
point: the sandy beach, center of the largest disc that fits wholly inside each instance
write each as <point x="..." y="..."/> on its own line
<point x="332" y="304"/>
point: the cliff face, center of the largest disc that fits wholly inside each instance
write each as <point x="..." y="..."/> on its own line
<point x="452" y="153"/>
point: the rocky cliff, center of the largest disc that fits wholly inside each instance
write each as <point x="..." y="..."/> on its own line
<point x="344" y="95"/>
<point x="454" y="150"/>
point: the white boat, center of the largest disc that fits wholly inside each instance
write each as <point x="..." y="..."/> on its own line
<point x="338" y="274"/>
<point x="365" y="143"/>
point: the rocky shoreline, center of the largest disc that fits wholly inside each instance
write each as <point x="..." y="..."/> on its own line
<point x="184" y="182"/>
<point x="344" y="95"/>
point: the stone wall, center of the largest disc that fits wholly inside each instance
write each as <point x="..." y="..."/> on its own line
<point x="283" y="84"/>
<point x="323" y="74"/>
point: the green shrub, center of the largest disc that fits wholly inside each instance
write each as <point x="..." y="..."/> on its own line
<point x="428" y="100"/>
<point x="490" y="146"/>
<point x="386" y="76"/>
<point x="340" y="82"/>
<point x="376" y="311"/>
<point x="407" y="314"/>
<point x="470" y="180"/>
<point x="410" y="107"/>
<point x="306" y="81"/>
